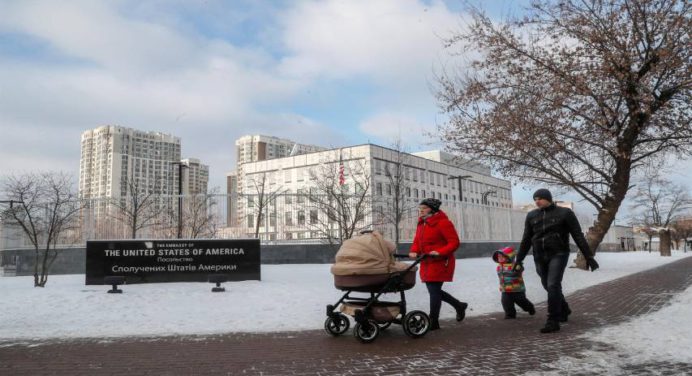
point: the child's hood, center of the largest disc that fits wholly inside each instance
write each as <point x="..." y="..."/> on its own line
<point x="508" y="252"/>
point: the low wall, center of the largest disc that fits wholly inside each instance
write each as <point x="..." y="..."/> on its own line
<point x="72" y="260"/>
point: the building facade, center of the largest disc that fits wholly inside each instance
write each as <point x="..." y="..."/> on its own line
<point x="113" y="157"/>
<point x="253" y="148"/>
<point x="195" y="177"/>
<point x="298" y="181"/>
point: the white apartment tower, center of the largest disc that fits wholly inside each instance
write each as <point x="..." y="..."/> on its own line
<point x="112" y="156"/>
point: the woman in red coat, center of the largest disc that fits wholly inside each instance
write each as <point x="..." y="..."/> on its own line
<point x="437" y="238"/>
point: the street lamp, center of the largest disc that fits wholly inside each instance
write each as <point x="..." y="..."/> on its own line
<point x="11" y="202"/>
<point x="459" y="178"/>
<point x="181" y="165"/>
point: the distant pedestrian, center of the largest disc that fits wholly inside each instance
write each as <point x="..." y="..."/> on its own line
<point x="511" y="284"/>
<point x="547" y="230"/>
<point x="436" y="238"/>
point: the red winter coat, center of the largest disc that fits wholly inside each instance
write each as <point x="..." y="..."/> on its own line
<point x="436" y="233"/>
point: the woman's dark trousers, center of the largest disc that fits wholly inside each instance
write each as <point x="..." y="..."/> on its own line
<point x="551" y="269"/>
<point x="437" y="296"/>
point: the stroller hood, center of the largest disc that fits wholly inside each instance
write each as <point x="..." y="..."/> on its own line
<point x="366" y="254"/>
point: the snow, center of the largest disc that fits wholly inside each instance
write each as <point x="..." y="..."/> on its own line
<point x="289" y="298"/>
<point x="661" y="336"/>
<point x="653" y="339"/>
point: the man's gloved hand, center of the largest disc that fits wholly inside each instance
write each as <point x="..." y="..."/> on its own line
<point x="591" y="264"/>
<point x="518" y="267"/>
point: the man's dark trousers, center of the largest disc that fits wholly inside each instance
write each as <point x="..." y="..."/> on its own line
<point x="551" y="269"/>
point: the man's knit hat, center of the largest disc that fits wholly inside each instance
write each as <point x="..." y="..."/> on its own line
<point x="543" y="193"/>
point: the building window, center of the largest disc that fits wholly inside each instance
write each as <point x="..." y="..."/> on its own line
<point x="301" y="217"/>
<point x="379" y="189"/>
<point x="272" y="218"/>
<point x="288" y="219"/>
<point x="313" y="217"/>
<point x="250" y="221"/>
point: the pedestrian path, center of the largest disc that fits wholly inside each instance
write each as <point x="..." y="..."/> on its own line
<point x="481" y="345"/>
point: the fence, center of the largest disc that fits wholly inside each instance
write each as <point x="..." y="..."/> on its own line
<point x="282" y="219"/>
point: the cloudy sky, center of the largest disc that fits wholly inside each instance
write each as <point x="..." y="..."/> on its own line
<point x="331" y="72"/>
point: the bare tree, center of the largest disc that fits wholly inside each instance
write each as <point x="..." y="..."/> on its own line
<point x="341" y="193"/>
<point x="394" y="206"/>
<point x="199" y="216"/>
<point x="578" y="94"/>
<point x="261" y="196"/>
<point x="46" y="208"/>
<point x="659" y="203"/>
<point x="141" y="207"/>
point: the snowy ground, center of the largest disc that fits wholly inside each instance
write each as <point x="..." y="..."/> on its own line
<point x="662" y="336"/>
<point x="289" y="297"/>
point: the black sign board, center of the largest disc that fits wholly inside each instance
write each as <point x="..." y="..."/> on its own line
<point x="145" y="261"/>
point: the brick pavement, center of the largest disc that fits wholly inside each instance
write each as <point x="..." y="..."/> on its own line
<point x="481" y="345"/>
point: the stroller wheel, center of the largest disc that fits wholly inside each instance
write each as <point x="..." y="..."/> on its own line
<point x="336" y="325"/>
<point x="416" y="324"/>
<point x="384" y="325"/>
<point x="366" y="332"/>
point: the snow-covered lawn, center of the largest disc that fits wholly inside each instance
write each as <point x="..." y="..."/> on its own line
<point x="289" y="297"/>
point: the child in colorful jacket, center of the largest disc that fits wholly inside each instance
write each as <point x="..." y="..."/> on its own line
<point x="511" y="284"/>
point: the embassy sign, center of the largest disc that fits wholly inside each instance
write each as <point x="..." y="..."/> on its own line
<point x="145" y="261"/>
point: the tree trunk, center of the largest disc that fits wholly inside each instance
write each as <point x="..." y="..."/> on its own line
<point x="611" y="204"/>
<point x="596" y="233"/>
<point x="36" y="258"/>
<point x="664" y="242"/>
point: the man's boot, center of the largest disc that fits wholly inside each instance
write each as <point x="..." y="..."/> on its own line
<point x="565" y="315"/>
<point x="434" y="324"/>
<point x="550" y="327"/>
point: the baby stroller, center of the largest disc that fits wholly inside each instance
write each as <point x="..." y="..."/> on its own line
<point x="365" y="264"/>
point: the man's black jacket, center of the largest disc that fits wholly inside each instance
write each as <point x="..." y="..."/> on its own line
<point x="547" y="231"/>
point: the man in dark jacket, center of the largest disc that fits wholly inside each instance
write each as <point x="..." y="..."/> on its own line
<point x="547" y="230"/>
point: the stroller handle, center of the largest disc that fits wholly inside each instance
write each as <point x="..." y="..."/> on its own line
<point x="420" y="257"/>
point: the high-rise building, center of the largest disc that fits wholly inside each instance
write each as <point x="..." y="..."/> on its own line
<point x="259" y="148"/>
<point x="195" y="176"/>
<point x="113" y="157"/>
<point x="231" y="198"/>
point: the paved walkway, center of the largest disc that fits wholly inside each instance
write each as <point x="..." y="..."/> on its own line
<point x="481" y="345"/>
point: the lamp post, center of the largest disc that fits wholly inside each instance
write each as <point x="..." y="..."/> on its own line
<point x="180" y="165"/>
<point x="11" y="202"/>
<point x="459" y="179"/>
